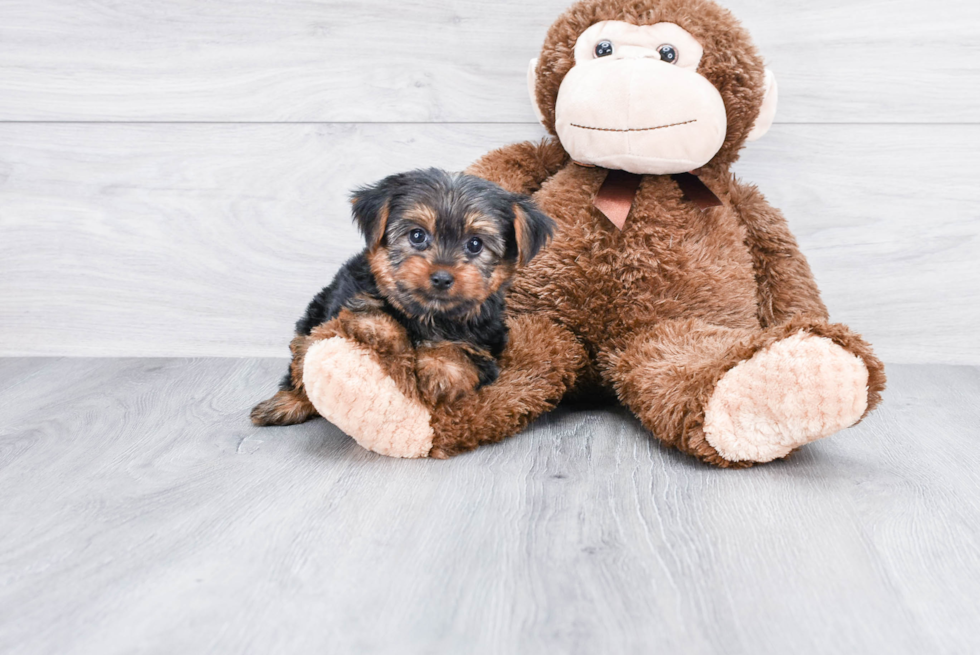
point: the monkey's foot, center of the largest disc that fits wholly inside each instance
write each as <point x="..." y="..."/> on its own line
<point x="797" y="390"/>
<point x="349" y="388"/>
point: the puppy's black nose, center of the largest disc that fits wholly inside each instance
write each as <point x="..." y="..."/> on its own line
<point x="442" y="280"/>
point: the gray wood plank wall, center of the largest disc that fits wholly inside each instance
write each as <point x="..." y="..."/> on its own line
<point x="172" y="175"/>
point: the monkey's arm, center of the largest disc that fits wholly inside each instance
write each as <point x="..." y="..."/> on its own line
<point x="786" y="285"/>
<point x="521" y="167"/>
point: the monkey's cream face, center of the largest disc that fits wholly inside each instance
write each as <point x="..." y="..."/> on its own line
<point x="634" y="101"/>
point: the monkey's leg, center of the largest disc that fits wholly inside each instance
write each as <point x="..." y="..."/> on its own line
<point x="379" y="406"/>
<point x="733" y="397"/>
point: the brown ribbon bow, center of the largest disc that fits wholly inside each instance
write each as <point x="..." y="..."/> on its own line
<point x="615" y="197"/>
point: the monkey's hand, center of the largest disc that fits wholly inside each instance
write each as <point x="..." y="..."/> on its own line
<point x="359" y="374"/>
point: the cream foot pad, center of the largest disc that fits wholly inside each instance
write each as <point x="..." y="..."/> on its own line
<point x="350" y="389"/>
<point x="795" y="391"/>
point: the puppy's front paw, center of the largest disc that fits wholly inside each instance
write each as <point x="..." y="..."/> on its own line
<point x="445" y="374"/>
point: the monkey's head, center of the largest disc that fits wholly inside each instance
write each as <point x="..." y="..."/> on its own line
<point x="651" y="86"/>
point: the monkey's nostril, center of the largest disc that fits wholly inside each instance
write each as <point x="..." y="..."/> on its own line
<point x="442" y="280"/>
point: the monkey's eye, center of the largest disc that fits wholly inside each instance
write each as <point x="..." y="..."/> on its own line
<point x="474" y="246"/>
<point x="417" y="238"/>
<point x="668" y="54"/>
<point x="603" y="49"/>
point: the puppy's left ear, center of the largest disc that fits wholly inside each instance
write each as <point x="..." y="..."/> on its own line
<point x="371" y="206"/>
<point x="532" y="229"/>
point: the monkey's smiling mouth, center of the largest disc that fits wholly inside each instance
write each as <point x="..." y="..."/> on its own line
<point x="633" y="129"/>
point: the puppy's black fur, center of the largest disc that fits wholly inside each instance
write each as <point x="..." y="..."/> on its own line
<point x="355" y="284"/>
<point x="441" y="250"/>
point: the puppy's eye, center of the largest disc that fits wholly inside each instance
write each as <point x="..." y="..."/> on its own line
<point x="474" y="246"/>
<point x="417" y="237"/>
<point x="668" y="54"/>
<point x="603" y="49"/>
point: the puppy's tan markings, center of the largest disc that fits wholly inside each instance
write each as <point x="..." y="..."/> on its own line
<point x="284" y="408"/>
<point x="479" y="223"/>
<point x="291" y="406"/>
<point x="501" y="275"/>
<point x="522" y="234"/>
<point x="415" y="274"/>
<point x="470" y="285"/>
<point x="384" y="277"/>
<point x="379" y="232"/>
<point x="424" y="216"/>
<point x="445" y="374"/>
<point x="381" y="267"/>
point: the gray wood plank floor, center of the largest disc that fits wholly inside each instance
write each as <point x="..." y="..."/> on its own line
<point x="141" y="512"/>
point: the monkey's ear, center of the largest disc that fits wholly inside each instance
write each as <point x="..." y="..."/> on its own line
<point x="371" y="205"/>
<point x="532" y="83"/>
<point x="767" y="113"/>
<point x="532" y="229"/>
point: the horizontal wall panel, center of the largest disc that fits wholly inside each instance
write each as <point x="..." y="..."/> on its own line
<point x="889" y="218"/>
<point x="837" y="61"/>
<point x="210" y="239"/>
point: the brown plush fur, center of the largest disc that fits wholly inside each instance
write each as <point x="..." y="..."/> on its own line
<point x="540" y="363"/>
<point x="659" y="311"/>
<point x="445" y="372"/>
<point x="666" y="376"/>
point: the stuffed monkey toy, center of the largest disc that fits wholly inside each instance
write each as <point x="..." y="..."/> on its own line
<point x="669" y="283"/>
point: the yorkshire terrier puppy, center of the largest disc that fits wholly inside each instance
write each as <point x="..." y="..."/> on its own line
<point x="441" y="251"/>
